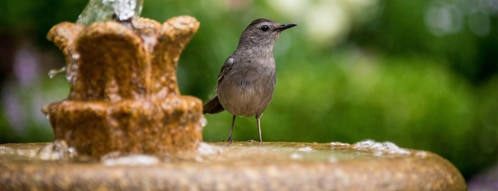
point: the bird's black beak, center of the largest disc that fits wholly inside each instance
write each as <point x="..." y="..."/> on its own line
<point x="282" y="27"/>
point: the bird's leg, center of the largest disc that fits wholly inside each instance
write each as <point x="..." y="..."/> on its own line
<point x="258" y="119"/>
<point x="231" y="130"/>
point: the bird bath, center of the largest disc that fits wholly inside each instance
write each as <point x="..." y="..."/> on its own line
<point x="125" y="126"/>
<point x="365" y="165"/>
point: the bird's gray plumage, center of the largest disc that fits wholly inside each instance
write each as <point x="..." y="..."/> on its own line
<point x="247" y="79"/>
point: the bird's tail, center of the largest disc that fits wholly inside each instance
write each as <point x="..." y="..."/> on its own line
<point x="213" y="106"/>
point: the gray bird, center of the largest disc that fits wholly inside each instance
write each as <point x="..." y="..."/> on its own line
<point x="247" y="79"/>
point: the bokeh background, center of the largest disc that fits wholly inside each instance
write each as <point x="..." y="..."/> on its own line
<point x="422" y="74"/>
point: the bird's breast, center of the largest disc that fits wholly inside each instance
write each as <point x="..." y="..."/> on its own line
<point x="247" y="90"/>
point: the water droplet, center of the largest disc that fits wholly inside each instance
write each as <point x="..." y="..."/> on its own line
<point x="52" y="73"/>
<point x="72" y="72"/>
<point x="72" y="152"/>
<point x="296" y="156"/>
<point x="75" y="56"/>
<point x="205" y="149"/>
<point x="102" y="10"/>
<point x="339" y="144"/>
<point x="56" y="150"/>
<point x="422" y="154"/>
<point x="203" y="121"/>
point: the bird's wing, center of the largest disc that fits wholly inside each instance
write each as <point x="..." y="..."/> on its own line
<point x="226" y="68"/>
<point x="213" y="105"/>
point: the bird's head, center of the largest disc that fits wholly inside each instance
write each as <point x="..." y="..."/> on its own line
<point x="263" y="32"/>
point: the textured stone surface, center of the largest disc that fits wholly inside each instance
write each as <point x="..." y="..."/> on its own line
<point x="124" y="95"/>
<point x="238" y="166"/>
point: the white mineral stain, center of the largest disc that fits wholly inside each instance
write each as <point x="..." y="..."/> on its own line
<point x="134" y="160"/>
<point x="380" y="148"/>
<point x="305" y="149"/>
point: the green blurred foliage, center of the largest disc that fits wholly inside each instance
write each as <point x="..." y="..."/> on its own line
<point x="386" y="73"/>
<point x="454" y="30"/>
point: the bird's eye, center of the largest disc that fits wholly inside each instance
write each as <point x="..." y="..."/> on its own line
<point x="265" y="28"/>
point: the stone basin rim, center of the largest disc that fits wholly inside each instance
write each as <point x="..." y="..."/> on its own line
<point x="221" y="149"/>
<point x="401" y="172"/>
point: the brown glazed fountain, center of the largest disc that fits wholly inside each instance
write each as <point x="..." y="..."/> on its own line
<point x="123" y="89"/>
<point x="125" y="126"/>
